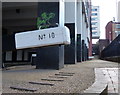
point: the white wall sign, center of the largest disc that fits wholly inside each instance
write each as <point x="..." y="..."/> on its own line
<point x="43" y="37"/>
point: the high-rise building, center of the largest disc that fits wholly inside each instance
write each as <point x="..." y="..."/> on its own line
<point x="95" y="21"/>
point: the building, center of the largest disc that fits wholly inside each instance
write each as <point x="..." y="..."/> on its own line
<point x="118" y="19"/>
<point x="17" y="18"/>
<point x="116" y="28"/>
<point x="118" y="12"/>
<point x="112" y="51"/>
<point x="109" y="29"/>
<point x="102" y="43"/>
<point x="95" y="21"/>
<point x="112" y="30"/>
<point x="22" y="17"/>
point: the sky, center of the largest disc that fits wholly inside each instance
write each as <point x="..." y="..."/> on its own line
<point x="107" y="12"/>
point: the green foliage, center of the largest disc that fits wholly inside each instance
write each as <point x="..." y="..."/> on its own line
<point x="44" y="20"/>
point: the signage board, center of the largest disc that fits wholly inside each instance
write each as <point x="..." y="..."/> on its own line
<point x="43" y="37"/>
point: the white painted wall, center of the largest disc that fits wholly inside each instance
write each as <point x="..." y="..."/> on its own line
<point x="70" y="12"/>
<point x="83" y="26"/>
<point x="61" y="13"/>
<point x="79" y="18"/>
<point x="118" y="14"/>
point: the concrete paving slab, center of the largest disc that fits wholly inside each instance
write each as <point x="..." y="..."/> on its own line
<point x="23" y="88"/>
<point x="105" y="76"/>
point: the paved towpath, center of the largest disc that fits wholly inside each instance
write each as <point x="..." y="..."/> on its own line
<point x="83" y="77"/>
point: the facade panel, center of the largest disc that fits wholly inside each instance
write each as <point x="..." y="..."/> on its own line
<point x="118" y="12"/>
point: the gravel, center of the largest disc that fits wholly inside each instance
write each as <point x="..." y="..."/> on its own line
<point x="82" y="78"/>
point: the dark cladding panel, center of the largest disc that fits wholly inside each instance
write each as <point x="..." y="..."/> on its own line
<point x="8" y="42"/>
<point x="83" y="50"/>
<point x="70" y="50"/>
<point x="113" y="47"/>
<point x="79" y="54"/>
<point x="17" y="17"/>
<point x="49" y="7"/>
<point x="51" y="57"/>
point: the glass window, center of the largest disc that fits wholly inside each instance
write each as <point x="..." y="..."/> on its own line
<point x="94" y="23"/>
<point x="94" y="33"/>
<point x="94" y="18"/>
<point x="118" y="26"/>
<point x="94" y="14"/>
<point x="94" y="28"/>
<point x="94" y="9"/>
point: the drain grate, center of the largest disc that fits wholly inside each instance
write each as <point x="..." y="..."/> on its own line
<point x="52" y="80"/>
<point x="58" y="77"/>
<point x="40" y="83"/>
<point x="64" y="74"/>
<point x="23" y="88"/>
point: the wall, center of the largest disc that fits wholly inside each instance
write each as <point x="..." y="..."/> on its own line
<point x="70" y="22"/>
<point x="109" y="31"/>
<point x="17" y="17"/>
<point x="118" y="13"/>
<point x="103" y="43"/>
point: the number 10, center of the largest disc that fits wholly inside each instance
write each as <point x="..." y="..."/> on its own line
<point x="52" y="35"/>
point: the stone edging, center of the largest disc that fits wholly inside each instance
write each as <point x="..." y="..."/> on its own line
<point x="100" y="86"/>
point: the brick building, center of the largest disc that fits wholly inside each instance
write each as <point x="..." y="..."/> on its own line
<point x="112" y="30"/>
